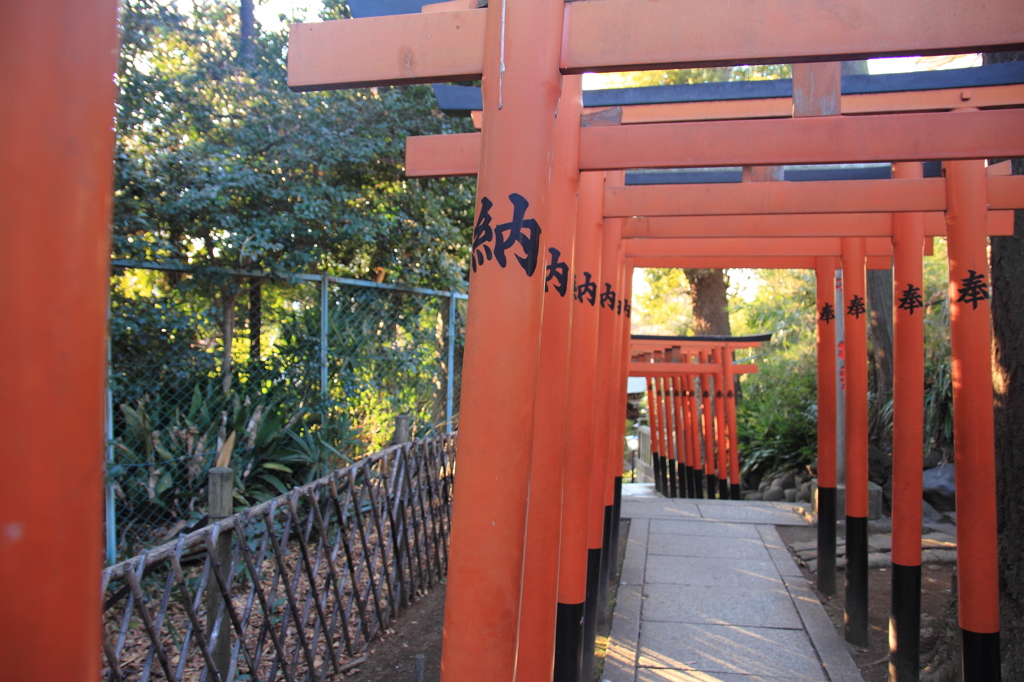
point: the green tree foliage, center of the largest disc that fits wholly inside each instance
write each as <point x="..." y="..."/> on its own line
<point x="778" y="413"/>
<point x="777" y="417"/>
<point x="664" y="306"/>
<point x="221" y="164"/>
<point x="218" y="166"/>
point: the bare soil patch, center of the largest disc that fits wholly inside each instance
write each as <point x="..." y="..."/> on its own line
<point x="873" y="662"/>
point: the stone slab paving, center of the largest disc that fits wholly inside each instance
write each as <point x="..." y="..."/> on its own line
<point x="710" y="593"/>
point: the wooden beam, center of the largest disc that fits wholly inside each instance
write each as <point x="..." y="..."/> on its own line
<point x="617" y="35"/>
<point x="982" y="97"/>
<point x="1000" y="223"/>
<point x="648" y="345"/>
<point x="432" y="156"/>
<point x="823" y="139"/>
<point x="759" y="198"/>
<point x="674" y="369"/>
<point x="826" y="139"/>
<point x="405" y="48"/>
<point x="745" y="262"/>
<point x="817" y="89"/>
<point x="625" y="35"/>
<point x="755" y="246"/>
<point x="824" y="197"/>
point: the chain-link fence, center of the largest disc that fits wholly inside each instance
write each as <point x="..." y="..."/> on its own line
<point x="305" y="374"/>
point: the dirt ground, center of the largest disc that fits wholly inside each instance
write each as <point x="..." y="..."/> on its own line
<point x="418" y="630"/>
<point x="873" y="661"/>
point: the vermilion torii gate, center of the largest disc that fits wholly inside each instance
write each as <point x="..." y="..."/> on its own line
<point x="520" y="49"/>
<point x="798" y="210"/>
<point x="676" y="472"/>
<point x="57" y="141"/>
<point x="666" y="237"/>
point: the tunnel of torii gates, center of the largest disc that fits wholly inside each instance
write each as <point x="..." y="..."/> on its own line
<point x="780" y="225"/>
<point x="527" y="370"/>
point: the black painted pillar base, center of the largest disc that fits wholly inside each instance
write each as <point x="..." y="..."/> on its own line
<point x="734" y="491"/>
<point x="711" y="486"/>
<point x="590" y="614"/>
<point x="856" y="600"/>
<point x="606" y="567"/>
<point x="827" y="541"/>
<point x="698" y="484"/>
<point x="686" y="472"/>
<point x="568" y="642"/>
<point x="673" y="478"/>
<point x="656" y="465"/>
<point x="905" y="624"/>
<point x="723" y="489"/>
<point x="980" y="656"/>
<point x="616" y="519"/>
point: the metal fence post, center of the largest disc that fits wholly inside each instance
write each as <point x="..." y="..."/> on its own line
<point x="403" y="432"/>
<point x="450" y="398"/>
<point x="110" y="514"/>
<point x="221" y="491"/>
<point x="323" y="336"/>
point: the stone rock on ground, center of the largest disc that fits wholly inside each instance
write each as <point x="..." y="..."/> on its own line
<point x="774" y="495"/>
<point x="803" y="496"/>
<point x="929" y="514"/>
<point x="934" y="458"/>
<point x="879" y="465"/>
<point x="874" y="500"/>
<point x="790" y="494"/>
<point x="940" y="487"/>
<point x="754" y="496"/>
<point x="763" y="486"/>
<point x="787" y="481"/>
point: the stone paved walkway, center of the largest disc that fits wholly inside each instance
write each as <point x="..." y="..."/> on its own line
<point x="709" y="592"/>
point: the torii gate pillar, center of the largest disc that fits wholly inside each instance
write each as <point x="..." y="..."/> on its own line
<point x="825" y="273"/>
<point x="521" y="86"/>
<point x="56" y="133"/>
<point x="973" y="426"/>
<point x="907" y="438"/>
<point x="855" y="317"/>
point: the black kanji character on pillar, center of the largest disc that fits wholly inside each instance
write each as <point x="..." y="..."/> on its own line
<point x="482" y="234"/>
<point x="619" y="311"/>
<point x="910" y="299"/>
<point x="557" y="271"/>
<point x="626" y="307"/>
<point x="974" y="289"/>
<point x="608" y="297"/>
<point x="586" y="290"/>
<point x="856" y="307"/>
<point x="525" y="232"/>
<point x="828" y="313"/>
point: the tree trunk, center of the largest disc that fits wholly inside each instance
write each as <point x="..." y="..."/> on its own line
<point x="1008" y="374"/>
<point x="708" y="290"/>
<point x="229" y="297"/>
<point x="247" y="34"/>
<point x="880" y="320"/>
<point x="255" y="318"/>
